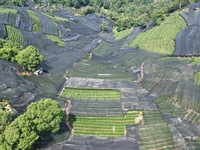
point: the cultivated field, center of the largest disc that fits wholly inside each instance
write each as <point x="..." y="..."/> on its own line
<point x="161" y="38"/>
<point x="107" y="126"/>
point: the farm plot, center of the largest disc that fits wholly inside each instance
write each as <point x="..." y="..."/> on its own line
<point x="55" y="39"/>
<point x="155" y="134"/>
<point x="91" y="93"/>
<point x="167" y="105"/>
<point x="189" y="133"/>
<point x="193" y="117"/>
<point x="48" y="26"/>
<point x="14" y="34"/>
<point x="160" y="39"/>
<point x="121" y="34"/>
<point x="96" y="107"/>
<point x="106" y="126"/>
<point x="187" y="94"/>
<point x="162" y="80"/>
<point x="35" y="21"/>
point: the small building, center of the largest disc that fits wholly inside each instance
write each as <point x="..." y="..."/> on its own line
<point x="39" y="71"/>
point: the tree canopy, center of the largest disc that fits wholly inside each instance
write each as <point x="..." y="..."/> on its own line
<point x="29" y="58"/>
<point x="41" y="118"/>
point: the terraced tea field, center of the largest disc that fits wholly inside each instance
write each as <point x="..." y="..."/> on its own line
<point x="160" y="39"/>
<point x="167" y="105"/>
<point x="155" y="133"/>
<point x="91" y="93"/>
<point x="107" y="126"/>
<point x="121" y="34"/>
<point x="35" y="21"/>
<point x="55" y="39"/>
<point x="14" y="34"/>
<point x="193" y="117"/>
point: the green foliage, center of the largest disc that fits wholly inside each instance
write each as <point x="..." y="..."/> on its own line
<point x="51" y="116"/>
<point x="107" y="126"/>
<point x="29" y="58"/>
<point x="5" y="120"/>
<point x="121" y="34"/>
<point x="161" y="38"/>
<point x="35" y="21"/>
<point x="14" y="34"/>
<point x="158" y="15"/>
<point x="103" y="26"/>
<point x="55" y="18"/>
<point x="89" y="10"/>
<point x="7" y="10"/>
<point x="40" y="118"/>
<point x="55" y="39"/>
<point x="91" y="93"/>
<point x="8" y="50"/>
<point x="197" y="77"/>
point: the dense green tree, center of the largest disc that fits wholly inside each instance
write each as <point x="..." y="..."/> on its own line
<point x="41" y="118"/>
<point x="158" y="16"/>
<point x="5" y="119"/>
<point x="9" y="50"/>
<point x="29" y="58"/>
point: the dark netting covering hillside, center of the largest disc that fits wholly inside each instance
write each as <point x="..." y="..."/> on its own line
<point x="23" y="20"/>
<point x="96" y="143"/>
<point x="48" y="26"/>
<point x="147" y="81"/>
<point x="18" y="90"/>
<point x="185" y="133"/>
<point x="9" y="18"/>
<point x="187" y="41"/>
<point x="3" y="33"/>
<point x="132" y="97"/>
<point x="195" y="6"/>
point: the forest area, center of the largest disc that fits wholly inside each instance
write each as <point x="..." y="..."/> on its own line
<point x="125" y="13"/>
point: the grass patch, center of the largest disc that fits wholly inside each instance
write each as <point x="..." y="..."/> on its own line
<point x="35" y="21"/>
<point x="8" y="10"/>
<point x="55" y="18"/>
<point x="197" y="77"/>
<point x="14" y="35"/>
<point x="108" y="126"/>
<point x="55" y="39"/>
<point x="161" y="38"/>
<point x="121" y="34"/>
<point x="91" y="93"/>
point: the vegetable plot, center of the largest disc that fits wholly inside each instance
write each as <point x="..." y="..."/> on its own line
<point x="160" y="39"/>
<point x="91" y="93"/>
<point x="14" y="34"/>
<point x="35" y="21"/>
<point x="107" y="126"/>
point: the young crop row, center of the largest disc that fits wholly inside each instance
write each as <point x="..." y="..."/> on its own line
<point x="55" y="18"/>
<point x="167" y="105"/>
<point x="55" y="39"/>
<point x="155" y="134"/>
<point x="161" y="38"/>
<point x="36" y="27"/>
<point x="14" y="35"/>
<point x="91" y="93"/>
<point x="8" y="10"/>
<point x="121" y="34"/>
<point x="108" y="126"/>
<point x="187" y="96"/>
<point x="194" y="117"/>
